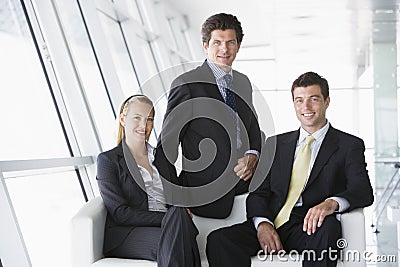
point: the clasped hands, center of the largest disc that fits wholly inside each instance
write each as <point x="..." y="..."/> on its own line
<point x="269" y="239"/>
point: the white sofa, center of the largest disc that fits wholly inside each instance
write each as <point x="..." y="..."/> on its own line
<point x="87" y="231"/>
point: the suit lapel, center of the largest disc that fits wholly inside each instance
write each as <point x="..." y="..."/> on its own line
<point x="328" y="147"/>
<point x="212" y="91"/>
<point x="129" y="161"/>
<point x="286" y="157"/>
<point x="240" y="102"/>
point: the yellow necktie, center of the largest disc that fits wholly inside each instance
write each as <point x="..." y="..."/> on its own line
<point x="297" y="182"/>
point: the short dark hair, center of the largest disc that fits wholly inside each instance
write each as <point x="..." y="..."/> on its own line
<point x="312" y="78"/>
<point x="222" y="22"/>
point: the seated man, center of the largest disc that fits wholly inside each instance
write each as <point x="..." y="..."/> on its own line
<point x="316" y="173"/>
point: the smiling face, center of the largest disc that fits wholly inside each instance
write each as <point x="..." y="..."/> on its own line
<point x="310" y="107"/>
<point x="138" y="121"/>
<point x="222" y="48"/>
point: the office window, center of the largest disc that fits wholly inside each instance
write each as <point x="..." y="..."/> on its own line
<point x="177" y="29"/>
<point x="365" y="113"/>
<point x="89" y="71"/>
<point x="123" y="61"/>
<point x="143" y="57"/>
<point x="44" y="205"/>
<point x="132" y="7"/>
<point x="31" y="129"/>
<point x="30" y="124"/>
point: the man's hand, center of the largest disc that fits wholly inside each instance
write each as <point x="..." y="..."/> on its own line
<point x="246" y="166"/>
<point x="268" y="238"/>
<point x="316" y="215"/>
<point x="190" y="213"/>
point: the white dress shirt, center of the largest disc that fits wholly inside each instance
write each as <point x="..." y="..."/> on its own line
<point x="153" y="185"/>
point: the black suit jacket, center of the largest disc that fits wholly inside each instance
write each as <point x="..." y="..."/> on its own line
<point x="126" y="202"/>
<point x="189" y="124"/>
<point x="339" y="171"/>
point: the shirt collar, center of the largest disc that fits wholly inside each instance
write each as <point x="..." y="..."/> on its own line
<point x="217" y="71"/>
<point x="150" y="152"/>
<point x="318" y="135"/>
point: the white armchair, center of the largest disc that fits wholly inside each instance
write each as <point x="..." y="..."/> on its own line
<point x="87" y="232"/>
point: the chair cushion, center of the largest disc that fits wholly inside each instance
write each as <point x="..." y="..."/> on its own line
<point x="118" y="262"/>
<point x="88" y="228"/>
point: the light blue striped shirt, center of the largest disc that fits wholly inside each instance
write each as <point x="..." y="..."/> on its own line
<point x="219" y="77"/>
<point x="221" y="83"/>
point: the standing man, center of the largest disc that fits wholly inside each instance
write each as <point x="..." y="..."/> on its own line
<point x="211" y="115"/>
<point x="317" y="173"/>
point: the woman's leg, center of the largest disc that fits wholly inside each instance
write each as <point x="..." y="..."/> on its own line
<point x="141" y="243"/>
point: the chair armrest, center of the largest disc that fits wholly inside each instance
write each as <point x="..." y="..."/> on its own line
<point x="87" y="233"/>
<point x="353" y="232"/>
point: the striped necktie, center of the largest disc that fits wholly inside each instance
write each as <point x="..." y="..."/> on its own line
<point x="230" y="96"/>
<point x="230" y="100"/>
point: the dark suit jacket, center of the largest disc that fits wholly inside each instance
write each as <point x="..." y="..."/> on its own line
<point x="126" y="202"/>
<point x="339" y="170"/>
<point x="182" y="126"/>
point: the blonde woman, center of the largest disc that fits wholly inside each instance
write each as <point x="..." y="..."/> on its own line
<point x="139" y="224"/>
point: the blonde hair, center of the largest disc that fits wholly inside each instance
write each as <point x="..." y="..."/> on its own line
<point x="123" y="109"/>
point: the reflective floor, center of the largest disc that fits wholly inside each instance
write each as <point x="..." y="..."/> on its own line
<point x="382" y="247"/>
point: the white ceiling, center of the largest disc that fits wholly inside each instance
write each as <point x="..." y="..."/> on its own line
<point x="330" y="36"/>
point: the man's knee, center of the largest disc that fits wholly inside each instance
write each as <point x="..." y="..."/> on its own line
<point x="215" y="239"/>
<point x="330" y="231"/>
<point x="331" y="225"/>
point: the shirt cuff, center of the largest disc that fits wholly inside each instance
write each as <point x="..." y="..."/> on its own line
<point x="251" y="151"/>
<point x="258" y="220"/>
<point x="343" y="203"/>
